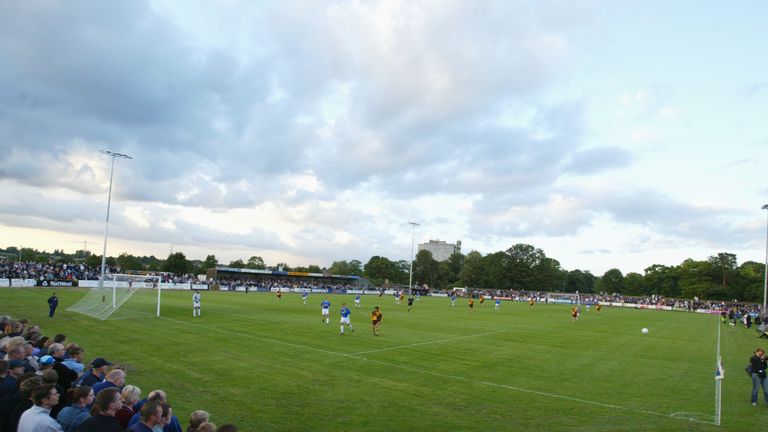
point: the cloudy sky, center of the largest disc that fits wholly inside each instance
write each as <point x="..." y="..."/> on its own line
<point x="609" y="134"/>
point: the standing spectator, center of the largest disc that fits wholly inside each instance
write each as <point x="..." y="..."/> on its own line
<point x="758" y="364"/>
<point x="131" y="395"/>
<point x="107" y="403"/>
<point x="197" y="418"/>
<point x="66" y="375"/>
<point x="14" y="369"/>
<point x="74" y="359"/>
<point x="172" y="425"/>
<point x="96" y="373"/>
<point x="115" y="378"/>
<point x="44" y="363"/>
<point x="71" y="416"/>
<point x="18" y="403"/>
<point x="38" y="418"/>
<point x="151" y="416"/>
<point x="53" y="302"/>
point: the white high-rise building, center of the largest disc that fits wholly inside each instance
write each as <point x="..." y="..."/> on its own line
<point x="441" y="250"/>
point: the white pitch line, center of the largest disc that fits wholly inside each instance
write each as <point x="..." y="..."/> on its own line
<point x="455" y="377"/>
<point x="427" y="343"/>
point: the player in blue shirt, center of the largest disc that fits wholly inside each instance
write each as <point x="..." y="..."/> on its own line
<point x="304" y="296"/>
<point x="326" y="311"/>
<point x="345" y="312"/>
<point x="498" y="304"/>
<point x="53" y="302"/>
<point x="453" y="299"/>
<point x="357" y="300"/>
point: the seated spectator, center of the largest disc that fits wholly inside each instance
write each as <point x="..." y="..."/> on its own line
<point x="96" y="373"/>
<point x="197" y="418"/>
<point x="71" y="416"/>
<point x="38" y="418"/>
<point x="107" y="403"/>
<point x="131" y="396"/>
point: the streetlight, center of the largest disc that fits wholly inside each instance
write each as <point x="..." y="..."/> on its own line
<point x="410" y="273"/>
<point x="109" y="202"/>
<point x="765" y="282"/>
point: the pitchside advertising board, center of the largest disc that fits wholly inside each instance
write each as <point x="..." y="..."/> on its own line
<point x="56" y="283"/>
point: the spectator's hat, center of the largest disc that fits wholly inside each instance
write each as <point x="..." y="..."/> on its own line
<point x="46" y="360"/>
<point x="15" y="363"/>
<point x="99" y="362"/>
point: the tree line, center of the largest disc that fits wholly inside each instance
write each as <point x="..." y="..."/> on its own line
<point x="521" y="267"/>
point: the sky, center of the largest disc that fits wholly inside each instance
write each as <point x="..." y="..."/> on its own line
<point x="610" y="134"/>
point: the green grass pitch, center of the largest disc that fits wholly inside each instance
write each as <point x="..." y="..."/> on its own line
<point x="269" y="365"/>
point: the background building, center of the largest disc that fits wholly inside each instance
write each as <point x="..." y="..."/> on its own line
<point x="441" y="250"/>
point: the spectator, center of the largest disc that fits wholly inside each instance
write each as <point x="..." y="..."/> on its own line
<point x="71" y="416"/>
<point x="44" y="363"/>
<point x="74" y="359"/>
<point x="115" y="378"/>
<point x="197" y="418"/>
<point x="107" y="403"/>
<point x="207" y="427"/>
<point x="131" y="396"/>
<point x="37" y="418"/>
<point x="173" y="424"/>
<point x="25" y="401"/>
<point x="151" y="416"/>
<point x="66" y="375"/>
<point x="96" y="373"/>
<point x="14" y="369"/>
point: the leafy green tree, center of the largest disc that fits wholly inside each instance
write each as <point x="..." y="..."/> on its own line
<point x="519" y="267"/>
<point x="471" y="274"/>
<point x="581" y="281"/>
<point x="663" y="280"/>
<point x="634" y="284"/>
<point x="127" y="262"/>
<point x="93" y="261"/>
<point x="177" y="263"/>
<point x="378" y="269"/>
<point x="724" y="264"/>
<point x="548" y="276"/>
<point x="425" y="268"/>
<point x="613" y="281"/>
<point x="696" y="280"/>
<point x="210" y="262"/>
<point x="238" y="263"/>
<point x="494" y="271"/>
<point x="751" y="275"/>
<point x="256" y="263"/>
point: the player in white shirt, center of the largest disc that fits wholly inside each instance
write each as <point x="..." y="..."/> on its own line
<point x="196" y="304"/>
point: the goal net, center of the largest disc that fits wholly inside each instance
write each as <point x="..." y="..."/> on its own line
<point x="122" y="296"/>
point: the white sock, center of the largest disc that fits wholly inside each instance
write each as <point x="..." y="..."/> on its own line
<point x="342" y="329"/>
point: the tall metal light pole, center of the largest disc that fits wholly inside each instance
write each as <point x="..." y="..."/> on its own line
<point x="109" y="202"/>
<point x="765" y="281"/>
<point x="410" y="273"/>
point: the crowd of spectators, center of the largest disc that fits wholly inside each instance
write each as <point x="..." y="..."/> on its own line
<point x="44" y="385"/>
<point x="267" y="283"/>
<point x="51" y="270"/>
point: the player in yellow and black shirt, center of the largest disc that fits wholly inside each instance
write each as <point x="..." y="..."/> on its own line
<point x="376" y="320"/>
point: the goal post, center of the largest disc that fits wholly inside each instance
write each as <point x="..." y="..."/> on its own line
<point x="122" y="296"/>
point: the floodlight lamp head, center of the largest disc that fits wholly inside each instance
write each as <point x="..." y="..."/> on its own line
<point x="115" y="154"/>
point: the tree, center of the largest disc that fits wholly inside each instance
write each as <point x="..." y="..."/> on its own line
<point x="238" y="263"/>
<point x="634" y="284"/>
<point x="129" y="262"/>
<point x="210" y="262"/>
<point x="378" y="269"/>
<point x="581" y="281"/>
<point x="724" y="264"/>
<point x="424" y="268"/>
<point x="471" y="274"/>
<point x="177" y="263"/>
<point x="662" y="280"/>
<point x="256" y="263"/>
<point x="520" y="264"/>
<point x="613" y="281"/>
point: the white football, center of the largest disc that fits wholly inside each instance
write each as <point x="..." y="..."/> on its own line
<point x="644" y="330"/>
